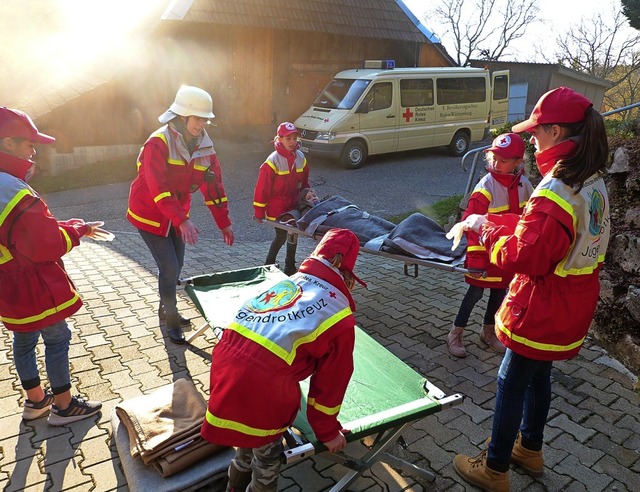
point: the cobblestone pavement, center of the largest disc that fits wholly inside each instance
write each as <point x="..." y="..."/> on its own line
<point x="119" y="351"/>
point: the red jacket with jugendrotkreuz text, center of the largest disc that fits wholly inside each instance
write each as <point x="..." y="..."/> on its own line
<point x="556" y="250"/>
<point x="160" y="195"/>
<point x="300" y="327"/>
<point x="280" y="179"/>
<point x="35" y="290"/>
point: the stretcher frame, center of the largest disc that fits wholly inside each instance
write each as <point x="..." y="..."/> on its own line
<point x="416" y="396"/>
<point x="408" y="261"/>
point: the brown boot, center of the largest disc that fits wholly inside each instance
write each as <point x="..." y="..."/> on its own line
<point x="455" y="343"/>
<point x="530" y="461"/>
<point x="476" y="472"/>
<point x="488" y="337"/>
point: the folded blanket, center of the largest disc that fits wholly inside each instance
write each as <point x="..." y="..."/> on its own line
<point x="164" y="426"/>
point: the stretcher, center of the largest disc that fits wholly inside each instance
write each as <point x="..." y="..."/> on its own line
<point x="384" y="396"/>
<point x="411" y="264"/>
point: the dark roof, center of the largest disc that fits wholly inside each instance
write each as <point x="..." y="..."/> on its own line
<point x="361" y="18"/>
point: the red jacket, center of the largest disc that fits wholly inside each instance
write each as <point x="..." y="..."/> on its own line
<point x="280" y="179"/>
<point x="499" y="194"/>
<point x="556" y="250"/>
<point x="160" y="195"/>
<point x="260" y="360"/>
<point x="35" y="290"/>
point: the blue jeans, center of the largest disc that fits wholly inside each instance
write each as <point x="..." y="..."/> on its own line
<point x="473" y="295"/>
<point x="522" y="402"/>
<point x="56" y="357"/>
<point x="168" y="253"/>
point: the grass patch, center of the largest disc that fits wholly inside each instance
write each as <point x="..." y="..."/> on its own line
<point x="108" y="172"/>
<point x="439" y="211"/>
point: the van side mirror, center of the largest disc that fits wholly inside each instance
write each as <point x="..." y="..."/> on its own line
<point x="363" y="107"/>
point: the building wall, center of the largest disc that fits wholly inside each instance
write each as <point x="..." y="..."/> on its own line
<point x="257" y="77"/>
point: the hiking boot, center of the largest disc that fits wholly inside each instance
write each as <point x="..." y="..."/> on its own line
<point x="530" y="461"/>
<point x="290" y="270"/>
<point x="78" y="409"/>
<point x="455" y="343"/>
<point x="489" y="338"/>
<point x="476" y="472"/>
<point x="33" y="410"/>
<point x="183" y="321"/>
<point x="238" y="480"/>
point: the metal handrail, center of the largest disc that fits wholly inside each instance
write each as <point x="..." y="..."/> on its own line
<point x="620" y="110"/>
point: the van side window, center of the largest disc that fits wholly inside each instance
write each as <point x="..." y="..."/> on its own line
<point x="416" y="92"/>
<point x="379" y="96"/>
<point x="461" y="90"/>
<point x="501" y="87"/>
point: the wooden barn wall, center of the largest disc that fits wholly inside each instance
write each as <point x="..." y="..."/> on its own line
<point x="257" y="77"/>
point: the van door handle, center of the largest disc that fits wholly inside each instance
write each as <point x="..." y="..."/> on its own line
<point x="391" y="116"/>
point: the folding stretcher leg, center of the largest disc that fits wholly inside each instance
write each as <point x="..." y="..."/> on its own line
<point x="377" y="453"/>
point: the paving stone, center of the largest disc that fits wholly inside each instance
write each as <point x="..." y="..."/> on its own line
<point x="592" y="480"/>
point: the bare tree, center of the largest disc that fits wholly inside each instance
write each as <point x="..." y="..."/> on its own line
<point x="601" y="47"/>
<point x="484" y="29"/>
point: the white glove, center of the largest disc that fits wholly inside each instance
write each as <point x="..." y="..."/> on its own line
<point x="98" y="234"/>
<point x="456" y="233"/>
<point x="474" y="222"/>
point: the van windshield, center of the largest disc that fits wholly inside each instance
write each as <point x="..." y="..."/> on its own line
<point x="341" y="93"/>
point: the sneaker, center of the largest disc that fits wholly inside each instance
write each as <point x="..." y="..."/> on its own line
<point x="33" y="410"/>
<point x="78" y="409"/>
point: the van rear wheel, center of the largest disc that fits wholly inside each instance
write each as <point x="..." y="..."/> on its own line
<point x="459" y="144"/>
<point x="354" y="154"/>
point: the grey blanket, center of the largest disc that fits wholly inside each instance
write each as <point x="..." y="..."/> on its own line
<point x="417" y="235"/>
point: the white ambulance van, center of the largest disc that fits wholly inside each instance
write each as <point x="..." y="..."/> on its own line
<point x="371" y="111"/>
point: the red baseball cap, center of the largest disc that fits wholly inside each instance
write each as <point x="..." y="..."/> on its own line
<point x="508" y="145"/>
<point x="341" y="241"/>
<point x="286" y="128"/>
<point x="16" y="124"/>
<point x="561" y="105"/>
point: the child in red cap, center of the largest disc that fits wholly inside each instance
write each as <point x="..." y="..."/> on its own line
<point x="504" y="189"/>
<point x="300" y="327"/>
<point x="281" y="177"/>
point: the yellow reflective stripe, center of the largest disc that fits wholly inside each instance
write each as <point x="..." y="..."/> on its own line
<point x="5" y="255"/>
<point x="270" y="218"/>
<point x="523" y="203"/>
<point x="476" y="248"/>
<point x="561" y="202"/>
<point x="323" y="409"/>
<point x="239" y="427"/>
<point x="176" y="162"/>
<point x="258" y="204"/>
<point x="144" y="221"/>
<point x="162" y="195"/>
<point x="211" y="202"/>
<point x="486" y="193"/>
<point x="548" y="347"/>
<point x="199" y="168"/>
<point x="12" y="203"/>
<point x="496" y="248"/>
<point x="495" y="210"/>
<point x="272" y="166"/>
<point x="484" y="279"/>
<point x="162" y="137"/>
<point x="276" y="349"/>
<point x="580" y="271"/>
<point x="42" y="315"/>
<point x="67" y="239"/>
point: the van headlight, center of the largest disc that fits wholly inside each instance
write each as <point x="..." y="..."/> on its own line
<point x="326" y="136"/>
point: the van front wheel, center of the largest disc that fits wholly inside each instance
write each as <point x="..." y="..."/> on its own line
<point x="459" y="144"/>
<point x="353" y="155"/>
